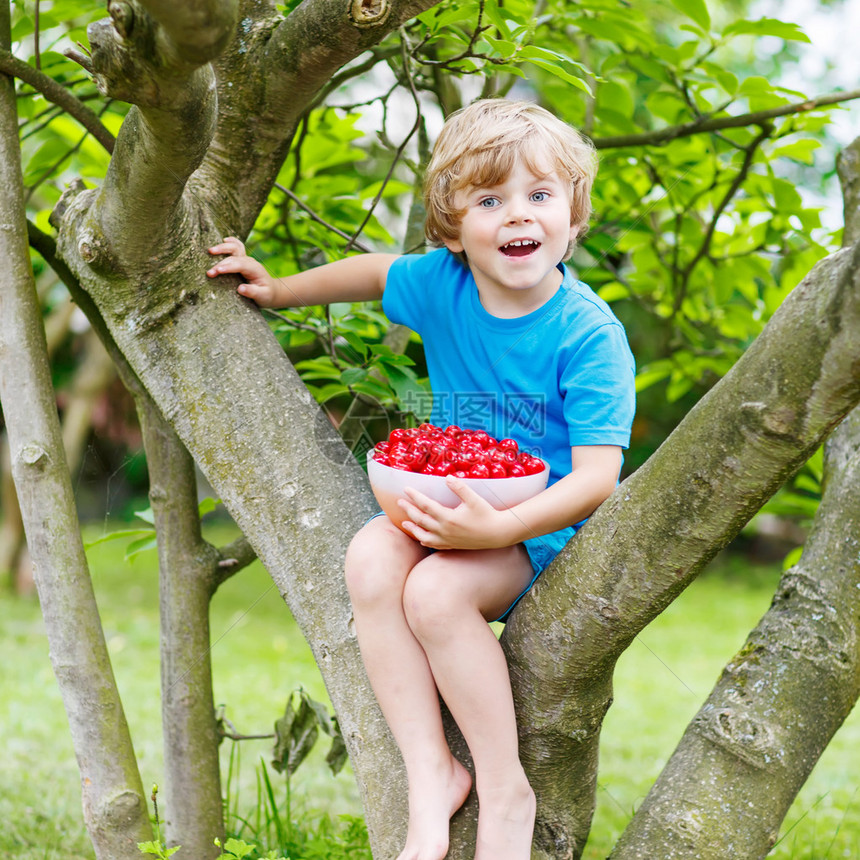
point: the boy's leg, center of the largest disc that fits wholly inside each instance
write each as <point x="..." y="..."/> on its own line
<point x="448" y="598"/>
<point x="378" y="562"/>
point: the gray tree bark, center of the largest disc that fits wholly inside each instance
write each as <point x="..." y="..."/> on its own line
<point x="753" y="744"/>
<point x="187" y="565"/>
<point x="114" y="806"/>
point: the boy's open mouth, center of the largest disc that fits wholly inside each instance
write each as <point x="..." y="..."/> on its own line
<point x="520" y="247"/>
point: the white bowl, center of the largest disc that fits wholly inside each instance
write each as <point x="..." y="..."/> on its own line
<point x="388" y="485"/>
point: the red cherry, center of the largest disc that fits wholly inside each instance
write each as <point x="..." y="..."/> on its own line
<point x="479" y="470"/>
<point x="517" y="471"/>
<point x="482" y="438"/>
<point x="497" y="470"/>
<point x="533" y="466"/>
<point x="508" y="445"/>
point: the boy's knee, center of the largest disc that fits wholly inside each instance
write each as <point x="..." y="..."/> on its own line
<point x="431" y="598"/>
<point x="377" y="562"/>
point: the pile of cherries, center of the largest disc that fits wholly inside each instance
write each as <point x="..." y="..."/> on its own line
<point x="430" y="450"/>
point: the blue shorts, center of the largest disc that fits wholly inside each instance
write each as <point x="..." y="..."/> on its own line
<point x="541" y="551"/>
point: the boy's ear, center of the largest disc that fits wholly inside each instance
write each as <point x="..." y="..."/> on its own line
<point x="455" y="246"/>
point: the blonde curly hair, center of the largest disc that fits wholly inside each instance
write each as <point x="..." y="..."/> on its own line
<point x="480" y="145"/>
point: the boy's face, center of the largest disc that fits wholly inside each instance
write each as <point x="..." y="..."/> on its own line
<point x="514" y="236"/>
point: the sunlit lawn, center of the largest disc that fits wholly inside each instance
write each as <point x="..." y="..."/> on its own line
<point x="259" y="657"/>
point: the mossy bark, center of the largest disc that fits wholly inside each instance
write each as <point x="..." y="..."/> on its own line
<point x="748" y="751"/>
<point x="192" y="808"/>
<point x="114" y="806"/>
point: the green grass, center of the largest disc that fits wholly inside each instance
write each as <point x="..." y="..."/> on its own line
<point x="259" y="657"/>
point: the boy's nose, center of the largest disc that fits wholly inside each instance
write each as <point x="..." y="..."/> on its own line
<point x="518" y="212"/>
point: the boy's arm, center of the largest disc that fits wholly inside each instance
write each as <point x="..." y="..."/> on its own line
<point x="353" y="279"/>
<point x="477" y="525"/>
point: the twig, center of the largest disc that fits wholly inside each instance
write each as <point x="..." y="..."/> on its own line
<point x="36" y="50"/>
<point x="59" y="95"/>
<point x="400" y="149"/>
<point x="353" y="242"/>
<point x="740" y="176"/>
<point x="711" y="123"/>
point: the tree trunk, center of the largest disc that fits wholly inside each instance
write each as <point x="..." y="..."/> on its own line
<point x="192" y="807"/>
<point x="114" y="806"/>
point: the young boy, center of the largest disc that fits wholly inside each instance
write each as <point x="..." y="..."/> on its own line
<point x="516" y="345"/>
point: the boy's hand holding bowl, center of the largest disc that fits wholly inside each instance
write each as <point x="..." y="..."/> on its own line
<point x="422" y="457"/>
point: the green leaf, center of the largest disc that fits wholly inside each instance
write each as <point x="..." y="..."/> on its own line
<point x="800" y="150"/>
<point x="695" y="9"/>
<point x="503" y="47"/>
<point x="766" y="27"/>
<point x="146" y="515"/>
<point x="550" y="62"/>
<point x="238" y="848"/>
<point x="352" y="375"/>
<point x="157" y="849"/>
<point x="652" y="373"/>
<point x="792" y="558"/>
<point x="408" y="390"/>
<point x="356" y="343"/>
<point x="207" y="505"/>
<point x="118" y="535"/>
<point x="142" y="545"/>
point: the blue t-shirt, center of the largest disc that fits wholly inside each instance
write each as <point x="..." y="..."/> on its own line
<point x="557" y="377"/>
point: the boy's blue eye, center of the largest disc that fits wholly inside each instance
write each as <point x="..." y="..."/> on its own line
<point x="540" y="196"/>
<point x="488" y="202"/>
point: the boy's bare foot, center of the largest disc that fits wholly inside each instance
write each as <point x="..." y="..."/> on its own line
<point x="431" y="805"/>
<point x="506" y="822"/>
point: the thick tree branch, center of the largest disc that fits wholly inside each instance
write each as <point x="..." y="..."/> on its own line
<point x="661" y="526"/>
<point x="59" y="95"/>
<point x="187" y="566"/>
<point x="709" y="122"/>
<point x="234" y="557"/>
<point x="280" y="468"/>
<point x="738" y="768"/>
<point x="751" y="747"/>
<point x="848" y="166"/>
<point x="198" y="30"/>
<point x="140" y="214"/>
<point x="266" y="79"/>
